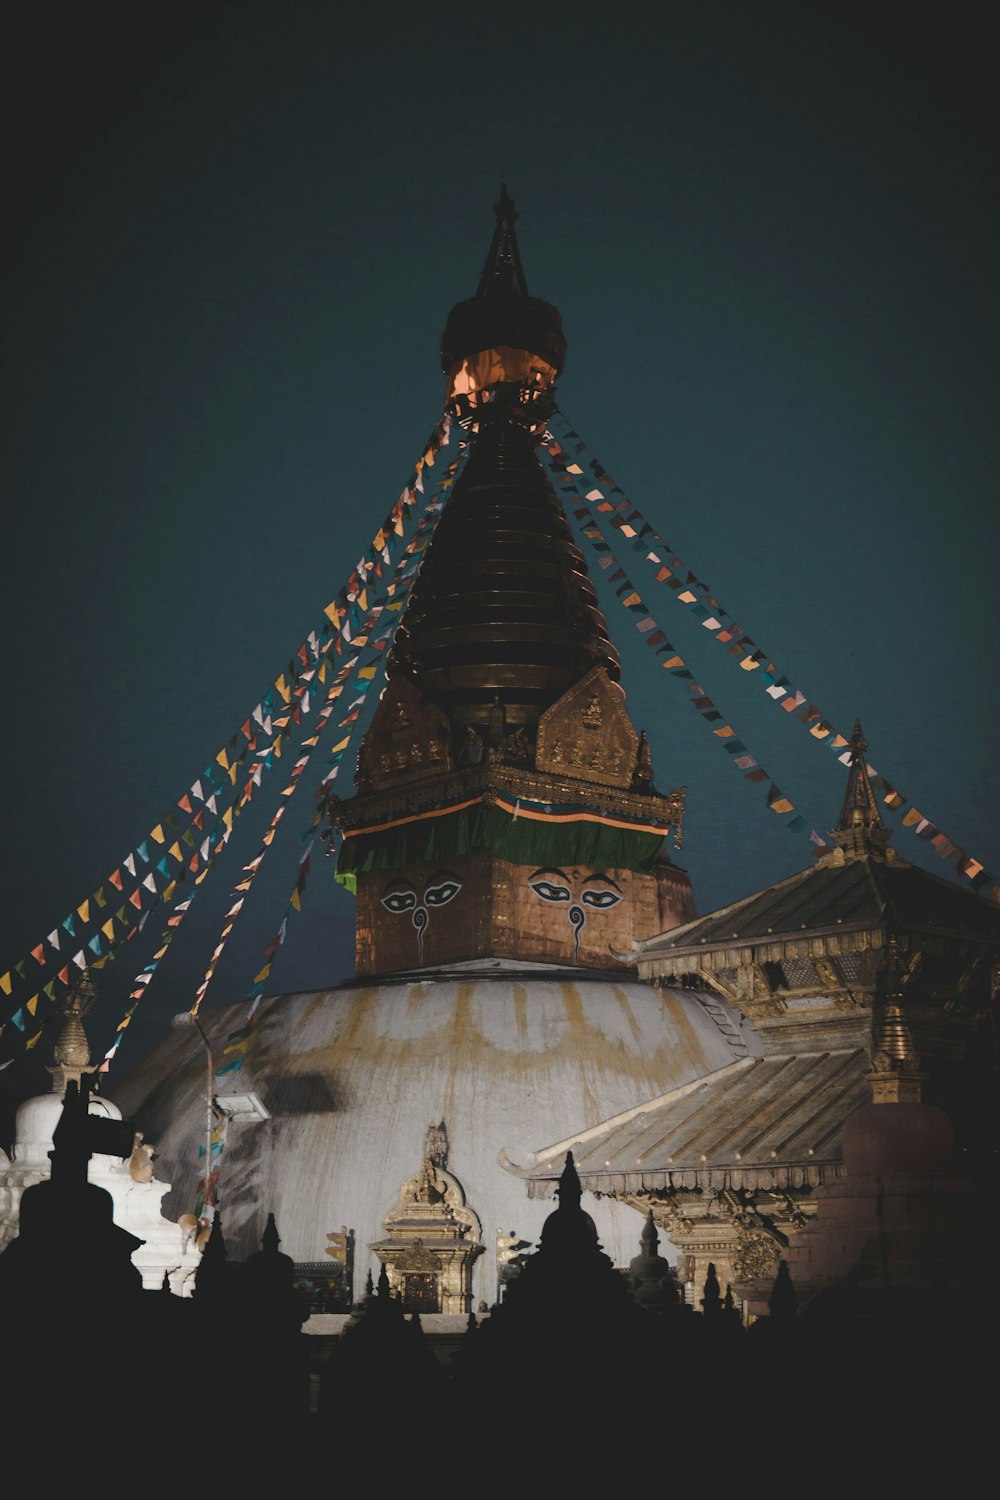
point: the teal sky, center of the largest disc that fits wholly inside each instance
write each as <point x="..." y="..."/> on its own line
<point x="233" y="235"/>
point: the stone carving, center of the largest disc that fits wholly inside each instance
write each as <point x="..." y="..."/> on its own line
<point x="643" y="775"/>
<point x="417" y="1259"/>
<point x="408" y="737"/>
<point x="436" y="1145"/>
<point x="588" y="733"/>
<point x="756" y="1256"/>
<point x="471" y="750"/>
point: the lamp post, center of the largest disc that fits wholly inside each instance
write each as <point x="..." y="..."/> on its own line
<point x="182" y="1022"/>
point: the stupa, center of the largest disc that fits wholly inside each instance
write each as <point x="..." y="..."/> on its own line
<point x="507" y="845"/>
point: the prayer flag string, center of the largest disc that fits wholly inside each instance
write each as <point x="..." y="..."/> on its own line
<point x="365" y="676"/>
<point x="238" y="1042"/>
<point x="158" y="879"/>
<point x="399" y="586"/>
<point x="648" y="627"/>
<point x="586" y="479"/>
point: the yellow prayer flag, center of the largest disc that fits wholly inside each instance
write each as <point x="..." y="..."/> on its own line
<point x="782" y="805"/>
<point x="674" y="661"/>
<point x="158" y="834"/>
<point x="83" y="911"/>
<point x="32" y="1040"/>
<point x="222" y="759"/>
<point x="175" y="852"/>
<point x="168" y="894"/>
<point x="257" y="979"/>
<point x="108" y="928"/>
<point x="283" y="688"/>
<point x="725" y="733"/>
<point x="227" y="819"/>
<point x="912" y="817"/>
<point x="820" y="731"/>
<point x="367" y="673"/>
<point x="296" y="900"/>
<point x="749" y="665"/>
<point x="6" y="983"/>
<point x="31" y="1005"/>
<point x="687" y="597"/>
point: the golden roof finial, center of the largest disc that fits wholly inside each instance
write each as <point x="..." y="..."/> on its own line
<point x="860" y="830"/>
<point x="72" y="1050"/>
<point x="895" y="1077"/>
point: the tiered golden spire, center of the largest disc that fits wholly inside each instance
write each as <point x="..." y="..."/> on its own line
<point x="860" y="830"/>
<point x="895" y="1077"/>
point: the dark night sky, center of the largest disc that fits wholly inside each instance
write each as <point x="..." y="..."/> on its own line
<point x="233" y="235"/>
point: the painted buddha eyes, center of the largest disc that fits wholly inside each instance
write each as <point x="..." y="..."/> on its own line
<point x="550" y="892"/>
<point x="400" y="896"/>
<point x="397" y="901"/>
<point x="599" y="891"/>
<point x="601" y="898"/>
<point x="440" y="895"/>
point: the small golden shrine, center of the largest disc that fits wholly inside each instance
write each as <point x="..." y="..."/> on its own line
<point x="432" y="1238"/>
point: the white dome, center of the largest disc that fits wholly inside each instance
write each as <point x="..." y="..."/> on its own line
<point x="36" y="1120"/>
<point x="509" y="1058"/>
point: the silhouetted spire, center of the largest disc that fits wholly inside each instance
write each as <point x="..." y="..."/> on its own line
<point x="711" y="1302"/>
<point x="782" y="1299"/>
<point x="269" y="1239"/>
<point x="212" y="1276"/>
<point x="569" y="1190"/>
<point x="502" y="313"/>
<point x="654" y="1285"/>
<point x="503" y="274"/>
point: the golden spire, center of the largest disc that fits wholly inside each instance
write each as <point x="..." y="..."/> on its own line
<point x="72" y="1050"/>
<point x="860" y="830"/>
<point x="895" y="1077"/>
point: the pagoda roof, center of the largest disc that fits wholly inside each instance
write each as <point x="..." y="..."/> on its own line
<point x="759" y="1122"/>
<point x="839" y="891"/>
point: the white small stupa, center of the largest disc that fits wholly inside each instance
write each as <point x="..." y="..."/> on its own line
<point x="167" y="1249"/>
